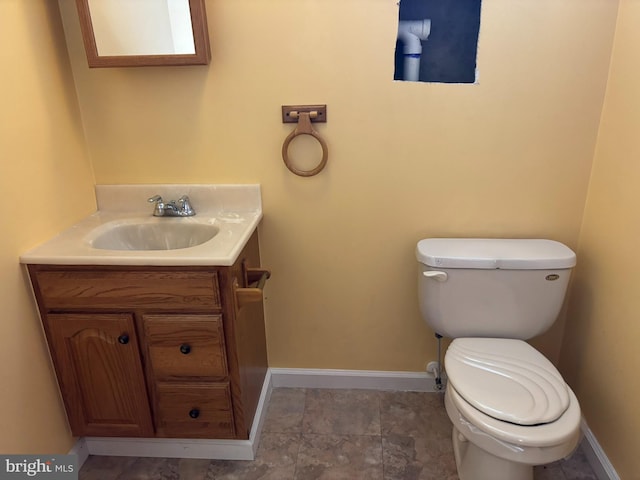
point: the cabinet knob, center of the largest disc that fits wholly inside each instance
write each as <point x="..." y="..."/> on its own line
<point x="185" y="348"/>
<point x="194" y="413"/>
<point x="123" y="339"/>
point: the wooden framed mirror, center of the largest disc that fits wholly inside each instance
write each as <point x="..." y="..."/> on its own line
<point x="126" y="33"/>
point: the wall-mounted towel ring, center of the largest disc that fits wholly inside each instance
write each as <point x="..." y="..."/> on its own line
<point x="304" y="115"/>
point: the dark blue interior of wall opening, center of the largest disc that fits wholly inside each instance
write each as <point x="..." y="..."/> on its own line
<point x="449" y="55"/>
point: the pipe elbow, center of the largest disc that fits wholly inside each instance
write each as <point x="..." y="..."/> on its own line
<point x="412" y="33"/>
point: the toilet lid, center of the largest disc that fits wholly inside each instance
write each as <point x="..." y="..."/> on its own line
<point x="506" y="379"/>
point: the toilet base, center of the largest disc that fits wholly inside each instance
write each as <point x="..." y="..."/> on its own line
<point x="473" y="463"/>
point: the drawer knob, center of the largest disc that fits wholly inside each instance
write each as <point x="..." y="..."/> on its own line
<point x="123" y="339"/>
<point x="194" y="413"/>
<point x="185" y="348"/>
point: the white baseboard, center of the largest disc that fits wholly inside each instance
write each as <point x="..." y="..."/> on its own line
<point x="181" y="448"/>
<point x="173" y="448"/>
<point x="80" y="449"/>
<point x="358" y="379"/>
<point x="598" y="460"/>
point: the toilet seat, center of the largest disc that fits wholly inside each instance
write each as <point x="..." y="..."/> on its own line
<point x="487" y="378"/>
<point x="507" y="379"/>
<point x="521" y="445"/>
<point x="564" y="429"/>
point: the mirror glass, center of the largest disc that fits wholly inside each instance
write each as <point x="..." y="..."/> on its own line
<point x="144" y="32"/>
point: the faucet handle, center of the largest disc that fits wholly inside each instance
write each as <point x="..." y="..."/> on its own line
<point x="158" y="211"/>
<point x="185" y="206"/>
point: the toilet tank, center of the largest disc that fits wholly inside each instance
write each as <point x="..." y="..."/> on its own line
<point x="504" y="288"/>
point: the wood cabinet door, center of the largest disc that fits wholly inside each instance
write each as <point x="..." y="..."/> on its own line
<point x="100" y="373"/>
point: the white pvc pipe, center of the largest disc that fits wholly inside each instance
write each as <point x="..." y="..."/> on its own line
<point x="411" y="68"/>
<point x="412" y="33"/>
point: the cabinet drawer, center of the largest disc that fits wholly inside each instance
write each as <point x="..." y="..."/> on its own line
<point x="102" y="288"/>
<point x="194" y="410"/>
<point x="185" y="346"/>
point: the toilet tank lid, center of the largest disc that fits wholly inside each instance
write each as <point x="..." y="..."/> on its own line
<point x="494" y="253"/>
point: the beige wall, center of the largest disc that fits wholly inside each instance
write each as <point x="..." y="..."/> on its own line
<point x="508" y="157"/>
<point x="46" y="184"/>
<point x="600" y="353"/>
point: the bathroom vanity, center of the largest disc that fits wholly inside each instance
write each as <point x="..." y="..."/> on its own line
<point x="156" y="343"/>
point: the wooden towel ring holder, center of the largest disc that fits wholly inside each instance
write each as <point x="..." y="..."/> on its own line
<point x="304" y="127"/>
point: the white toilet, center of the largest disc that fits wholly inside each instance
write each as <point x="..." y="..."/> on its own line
<point x="509" y="406"/>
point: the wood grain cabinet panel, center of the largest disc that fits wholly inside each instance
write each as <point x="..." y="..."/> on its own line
<point x="107" y="288"/>
<point x="185" y="346"/>
<point x="98" y="361"/>
<point x="195" y="410"/>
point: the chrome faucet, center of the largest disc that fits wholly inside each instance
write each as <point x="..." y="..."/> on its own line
<point x="181" y="208"/>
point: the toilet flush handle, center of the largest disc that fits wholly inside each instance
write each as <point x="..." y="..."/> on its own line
<point x="436" y="275"/>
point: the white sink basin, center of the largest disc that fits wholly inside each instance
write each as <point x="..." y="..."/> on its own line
<point x="163" y="234"/>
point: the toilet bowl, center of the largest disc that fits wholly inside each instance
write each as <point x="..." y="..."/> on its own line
<point x="509" y="407"/>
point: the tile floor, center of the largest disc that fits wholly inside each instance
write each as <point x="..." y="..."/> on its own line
<point x="312" y="434"/>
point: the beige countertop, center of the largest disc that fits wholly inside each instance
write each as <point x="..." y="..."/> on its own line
<point x="236" y="211"/>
